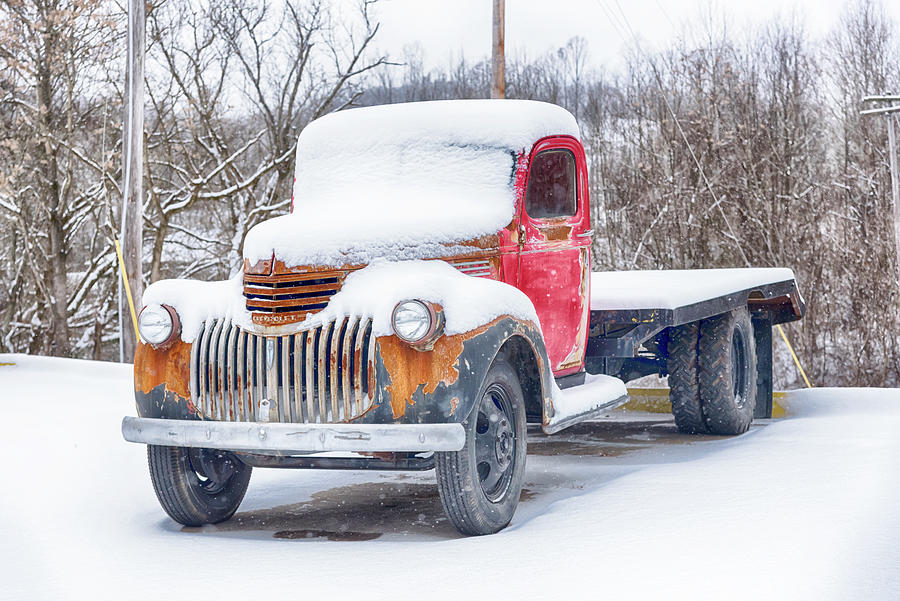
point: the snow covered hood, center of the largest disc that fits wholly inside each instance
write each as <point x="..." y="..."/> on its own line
<point x="371" y="292"/>
<point x="404" y="181"/>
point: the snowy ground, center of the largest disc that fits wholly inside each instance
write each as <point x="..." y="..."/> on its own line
<point x="806" y="507"/>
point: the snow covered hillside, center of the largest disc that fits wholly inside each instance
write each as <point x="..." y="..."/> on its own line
<point x="799" y="508"/>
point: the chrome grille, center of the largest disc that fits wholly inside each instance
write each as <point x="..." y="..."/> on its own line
<point x="320" y="375"/>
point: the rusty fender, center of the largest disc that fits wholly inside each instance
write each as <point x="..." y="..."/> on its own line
<point x="441" y="385"/>
<point x="161" y="381"/>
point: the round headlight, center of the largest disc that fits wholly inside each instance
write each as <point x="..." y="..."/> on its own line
<point x="413" y="321"/>
<point x="156" y="324"/>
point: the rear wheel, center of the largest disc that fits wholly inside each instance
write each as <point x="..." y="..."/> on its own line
<point x="712" y="374"/>
<point x="727" y="372"/>
<point x="480" y="484"/>
<point x="684" y="387"/>
<point x="197" y="486"/>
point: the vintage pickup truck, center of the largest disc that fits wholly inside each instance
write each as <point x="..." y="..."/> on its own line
<point x="429" y="295"/>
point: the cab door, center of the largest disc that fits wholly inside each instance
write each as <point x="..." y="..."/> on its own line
<point x="554" y="249"/>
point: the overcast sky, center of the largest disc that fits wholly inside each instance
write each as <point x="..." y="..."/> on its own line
<point x="448" y="28"/>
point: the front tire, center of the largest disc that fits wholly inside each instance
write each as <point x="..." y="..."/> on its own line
<point x="197" y="486"/>
<point x="480" y="484"/>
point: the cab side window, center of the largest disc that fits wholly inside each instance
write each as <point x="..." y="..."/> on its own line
<point x="551" y="185"/>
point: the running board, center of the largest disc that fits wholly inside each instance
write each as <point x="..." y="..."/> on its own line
<point x="598" y="394"/>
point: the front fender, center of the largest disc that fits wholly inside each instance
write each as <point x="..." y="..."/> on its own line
<point x="441" y="385"/>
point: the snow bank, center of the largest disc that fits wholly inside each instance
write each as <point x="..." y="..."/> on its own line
<point x="803" y="508"/>
<point x="814" y="402"/>
<point x="196" y="302"/>
<point x="401" y="181"/>
<point x="673" y="288"/>
<point x="468" y="302"/>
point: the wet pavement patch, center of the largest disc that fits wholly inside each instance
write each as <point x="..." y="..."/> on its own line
<point x="355" y="512"/>
<point x="335" y="536"/>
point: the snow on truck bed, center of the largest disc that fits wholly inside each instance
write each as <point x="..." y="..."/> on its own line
<point x="404" y="181"/>
<point x="802" y="508"/>
<point x="674" y="288"/>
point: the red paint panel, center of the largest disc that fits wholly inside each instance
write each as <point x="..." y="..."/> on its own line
<point x="554" y="264"/>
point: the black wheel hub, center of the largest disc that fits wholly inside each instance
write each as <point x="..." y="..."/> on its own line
<point x="212" y="468"/>
<point x="738" y="368"/>
<point x="495" y="442"/>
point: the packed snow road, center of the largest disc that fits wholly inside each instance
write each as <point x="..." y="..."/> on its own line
<point x="800" y="508"/>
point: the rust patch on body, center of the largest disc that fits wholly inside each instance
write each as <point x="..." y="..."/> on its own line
<point x="410" y="369"/>
<point x="557" y="233"/>
<point x="170" y="366"/>
<point x="454" y="403"/>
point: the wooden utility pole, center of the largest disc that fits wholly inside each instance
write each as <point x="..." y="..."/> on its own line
<point x="498" y="83"/>
<point x="132" y="174"/>
<point x="890" y="112"/>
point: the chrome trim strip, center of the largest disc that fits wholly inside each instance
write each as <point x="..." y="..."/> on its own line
<point x="194" y="385"/>
<point x="345" y="363"/>
<point x="309" y="358"/>
<point x="479" y="262"/>
<point x="241" y="377"/>
<point x="298" y="377"/>
<point x="333" y="360"/>
<point x="322" y="371"/>
<point x="204" y="369"/>
<point x="357" y="363"/>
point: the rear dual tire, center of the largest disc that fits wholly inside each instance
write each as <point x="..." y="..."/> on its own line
<point x="712" y="374"/>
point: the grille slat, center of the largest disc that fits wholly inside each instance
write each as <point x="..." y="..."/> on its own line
<point x="289" y="297"/>
<point x="346" y="355"/>
<point x="309" y="356"/>
<point x="322" y="371"/>
<point x="335" y="364"/>
<point x="319" y="375"/>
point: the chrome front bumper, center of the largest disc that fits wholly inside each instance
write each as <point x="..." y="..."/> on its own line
<point x="296" y="438"/>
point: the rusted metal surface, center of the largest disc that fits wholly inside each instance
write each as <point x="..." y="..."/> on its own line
<point x="441" y="385"/>
<point x="161" y="381"/>
<point x="411" y="370"/>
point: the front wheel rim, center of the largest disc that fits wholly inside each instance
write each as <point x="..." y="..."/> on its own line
<point x="210" y="470"/>
<point x="495" y="442"/>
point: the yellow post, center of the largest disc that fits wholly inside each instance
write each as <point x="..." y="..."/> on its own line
<point x="794" y="355"/>
<point x="137" y="335"/>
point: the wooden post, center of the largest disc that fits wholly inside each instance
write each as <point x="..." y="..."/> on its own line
<point x="895" y="187"/>
<point x="498" y="83"/>
<point x="132" y="170"/>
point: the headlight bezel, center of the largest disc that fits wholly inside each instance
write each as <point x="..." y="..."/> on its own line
<point x="175" y="325"/>
<point x="433" y="330"/>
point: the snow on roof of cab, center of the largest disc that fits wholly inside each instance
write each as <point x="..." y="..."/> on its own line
<point x="404" y="181"/>
<point x="511" y="124"/>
